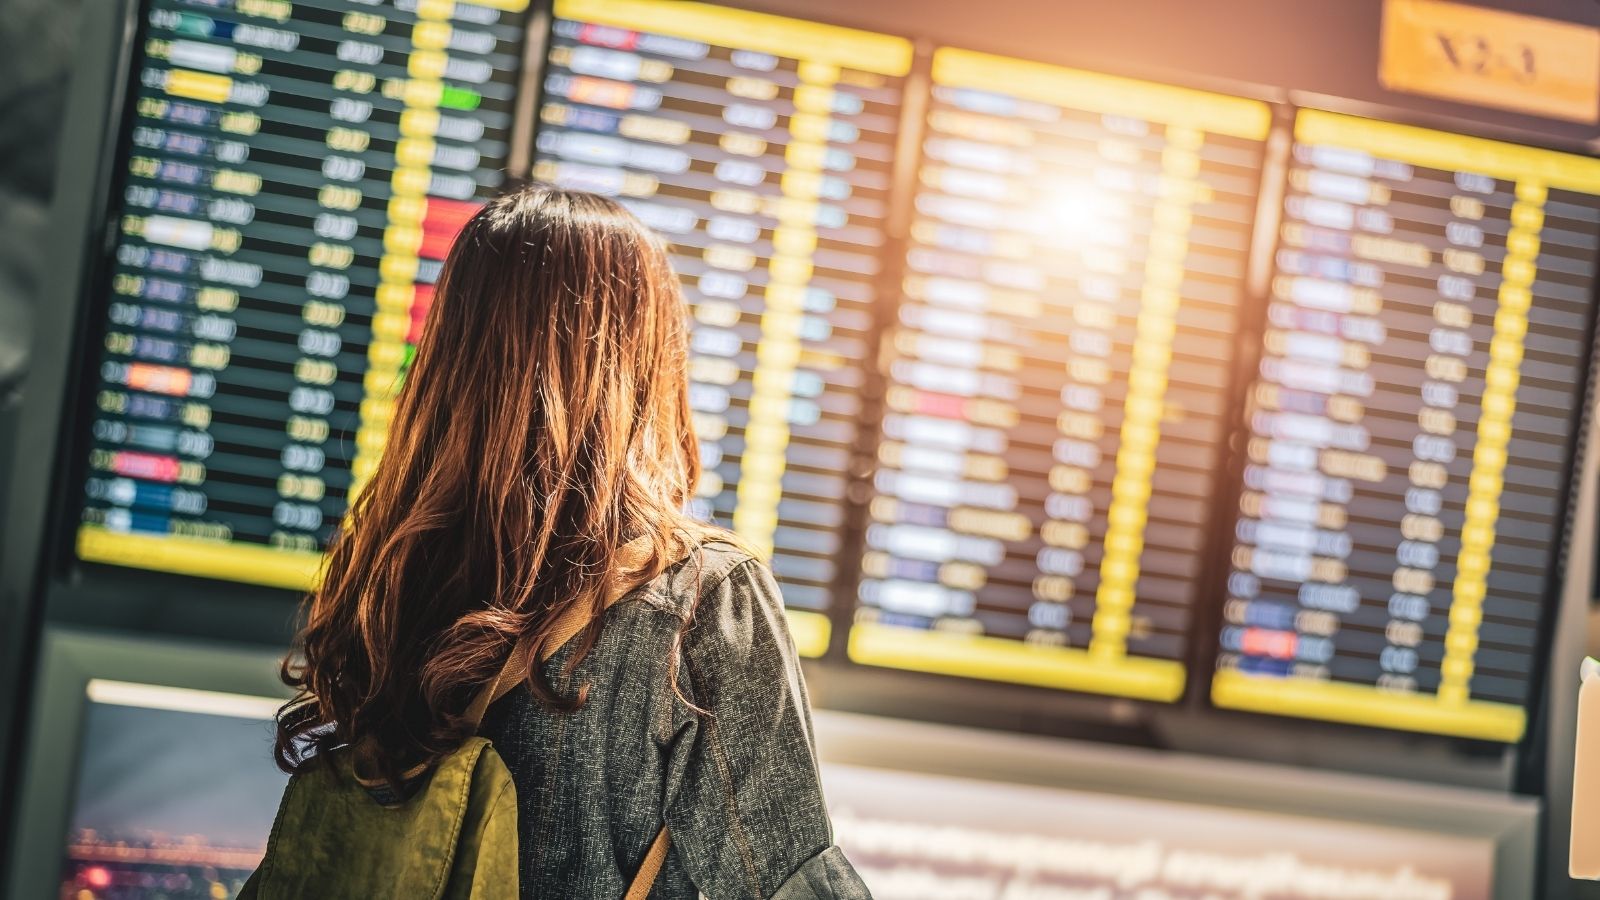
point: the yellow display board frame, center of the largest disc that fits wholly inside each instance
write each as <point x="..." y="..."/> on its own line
<point x="298" y="570"/>
<point x="1357" y="704"/>
<point x="295" y="570"/>
<point x="1095" y="92"/>
<point x="998" y="659"/>
<point x="815" y="42"/>
<point x="1447" y="150"/>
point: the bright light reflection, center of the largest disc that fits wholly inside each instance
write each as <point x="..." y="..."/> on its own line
<point x="1080" y="213"/>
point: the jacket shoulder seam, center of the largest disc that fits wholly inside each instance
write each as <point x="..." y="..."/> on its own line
<point x="716" y="564"/>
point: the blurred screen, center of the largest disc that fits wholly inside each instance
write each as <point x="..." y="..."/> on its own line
<point x="1410" y="429"/>
<point x="761" y="148"/>
<point x="1058" y="378"/>
<point x="930" y="837"/>
<point x="175" y="795"/>
<point x="293" y="176"/>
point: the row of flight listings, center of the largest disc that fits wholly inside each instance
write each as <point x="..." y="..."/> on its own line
<point x="1053" y="500"/>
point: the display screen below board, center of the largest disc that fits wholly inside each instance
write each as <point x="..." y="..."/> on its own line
<point x="1059" y="378"/>
<point x="174" y="796"/>
<point x="294" y="174"/>
<point x="1409" y="429"/>
<point x="911" y="834"/>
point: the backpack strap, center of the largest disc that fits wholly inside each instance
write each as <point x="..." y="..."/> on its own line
<point x="631" y="568"/>
<point x="631" y="560"/>
<point x="650" y="868"/>
<point x="509" y="676"/>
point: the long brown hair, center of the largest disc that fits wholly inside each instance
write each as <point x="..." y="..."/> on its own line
<point x="544" y="423"/>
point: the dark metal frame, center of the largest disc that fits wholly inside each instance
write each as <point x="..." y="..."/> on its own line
<point x="82" y="171"/>
<point x="69" y="660"/>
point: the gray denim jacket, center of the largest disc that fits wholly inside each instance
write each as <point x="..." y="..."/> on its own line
<point x="735" y="782"/>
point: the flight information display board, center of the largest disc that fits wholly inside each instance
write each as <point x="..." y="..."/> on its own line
<point x="1058" y="378"/>
<point x="1410" y="429"/>
<point x="1058" y="358"/>
<point x="294" y="175"/>
<point x="761" y="148"/>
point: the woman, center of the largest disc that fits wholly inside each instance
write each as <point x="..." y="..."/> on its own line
<point x="539" y="461"/>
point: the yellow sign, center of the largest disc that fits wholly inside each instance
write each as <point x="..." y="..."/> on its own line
<point x="1490" y="58"/>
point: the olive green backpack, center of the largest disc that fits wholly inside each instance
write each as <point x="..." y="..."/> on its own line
<point x="455" y="838"/>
